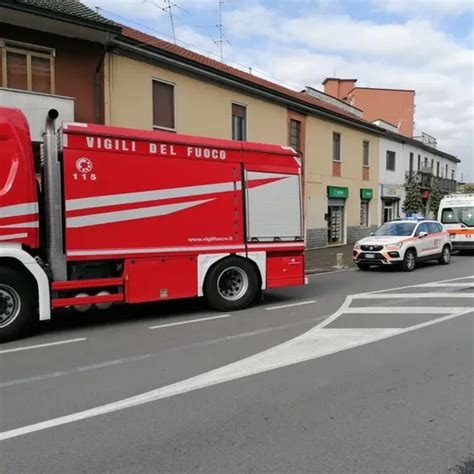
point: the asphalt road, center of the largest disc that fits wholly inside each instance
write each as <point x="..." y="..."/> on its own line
<point x="310" y="380"/>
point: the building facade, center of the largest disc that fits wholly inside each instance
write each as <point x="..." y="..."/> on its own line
<point x="395" y="106"/>
<point x="403" y="159"/>
<point x="51" y="56"/>
<point x="61" y="54"/>
<point x="146" y="89"/>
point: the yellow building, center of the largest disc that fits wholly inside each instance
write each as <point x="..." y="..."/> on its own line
<point x="152" y="84"/>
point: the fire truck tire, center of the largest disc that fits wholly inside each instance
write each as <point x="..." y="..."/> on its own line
<point x="231" y="284"/>
<point x="18" y="304"/>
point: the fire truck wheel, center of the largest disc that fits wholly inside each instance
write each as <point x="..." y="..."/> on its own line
<point x="18" y="305"/>
<point x="231" y="284"/>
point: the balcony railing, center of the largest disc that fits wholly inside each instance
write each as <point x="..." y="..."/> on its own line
<point x="429" y="181"/>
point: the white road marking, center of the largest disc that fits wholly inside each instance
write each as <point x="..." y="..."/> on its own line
<point x="39" y="346"/>
<point x="315" y="343"/>
<point x="447" y="285"/>
<point x="190" y="321"/>
<point x="84" y="368"/>
<point x="387" y="296"/>
<point x="406" y="310"/>
<point x="414" y="286"/>
<point x="290" y="305"/>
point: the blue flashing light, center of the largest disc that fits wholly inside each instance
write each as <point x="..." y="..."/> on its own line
<point x="415" y="217"/>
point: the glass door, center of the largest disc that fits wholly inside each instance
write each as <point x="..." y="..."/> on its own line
<point x="335" y="225"/>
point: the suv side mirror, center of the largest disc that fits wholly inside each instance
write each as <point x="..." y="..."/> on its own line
<point x="422" y="235"/>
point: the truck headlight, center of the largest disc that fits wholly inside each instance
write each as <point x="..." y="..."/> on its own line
<point x="452" y="236"/>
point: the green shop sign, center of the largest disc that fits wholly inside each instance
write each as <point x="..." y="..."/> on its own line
<point x="366" y="194"/>
<point x="338" y="192"/>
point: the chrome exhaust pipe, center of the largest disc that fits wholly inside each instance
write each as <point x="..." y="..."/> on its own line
<point x="53" y="199"/>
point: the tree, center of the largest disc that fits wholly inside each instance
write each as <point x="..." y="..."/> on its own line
<point x="435" y="198"/>
<point x="468" y="188"/>
<point x="413" y="202"/>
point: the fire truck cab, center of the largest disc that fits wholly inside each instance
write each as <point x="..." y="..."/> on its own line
<point x="128" y="216"/>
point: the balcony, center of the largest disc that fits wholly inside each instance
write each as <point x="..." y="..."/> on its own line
<point x="35" y="106"/>
<point x="429" y="181"/>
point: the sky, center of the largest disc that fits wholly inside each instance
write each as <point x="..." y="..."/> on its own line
<point x="426" y="45"/>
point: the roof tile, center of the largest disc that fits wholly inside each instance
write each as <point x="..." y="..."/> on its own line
<point x="72" y="8"/>
<point x="149" y="40"/>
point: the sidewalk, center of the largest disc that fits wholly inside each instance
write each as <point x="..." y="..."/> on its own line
<point x="324" y="259"/>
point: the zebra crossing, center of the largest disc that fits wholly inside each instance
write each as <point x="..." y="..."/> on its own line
<point x="405" y="306"/>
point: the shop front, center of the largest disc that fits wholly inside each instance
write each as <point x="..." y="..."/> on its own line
<point x="391" y="196"/>
<point x="337" y="196"/>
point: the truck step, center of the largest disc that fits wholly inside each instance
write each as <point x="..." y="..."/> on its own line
<point x="95" y="283"/>
<point x="75" y="301"/>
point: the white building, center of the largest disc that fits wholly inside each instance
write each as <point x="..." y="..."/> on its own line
<point x="401" y="157"/>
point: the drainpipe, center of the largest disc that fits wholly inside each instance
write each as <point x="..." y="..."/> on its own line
<point x="97" y="83"/>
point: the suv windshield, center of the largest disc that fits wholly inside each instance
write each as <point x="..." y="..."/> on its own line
<point x="458" y="215"/>
<point x="396" y="229"/>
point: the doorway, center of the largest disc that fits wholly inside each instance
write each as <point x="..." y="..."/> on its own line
<point x="387" y="214"/>
<point x="335" y="225"/>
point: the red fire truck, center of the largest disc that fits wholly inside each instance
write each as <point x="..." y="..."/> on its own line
<point x="129" y="216"/>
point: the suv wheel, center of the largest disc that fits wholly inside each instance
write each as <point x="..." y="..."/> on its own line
<point x="445" y="255"/>
<point x="409" y="261"/>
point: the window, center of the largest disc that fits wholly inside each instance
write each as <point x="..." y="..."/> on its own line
<point x="446" y="174"/>
<point x="336" y="146"/>
<point x="398" y="229"/>
<point x="426" y="162"/>
<point x="163" y="105"/>
<point x="365" y="154"/>
<point x="419" y="162"/>
<point x="295" y="134"/>
<point x="423" y="227"/>
<point x="437" y="169"/>
<point x="364" y="213"/>
<point x="411" y="164"/>
<point x="458" y="215"/>
<point x="390" y="164"/>
<point x="27" y="67"/>
<point x="432" y="165"/>
<point x="452" y="175"/>
<point x="239" y="122"/>
<point x="434" y="228"/>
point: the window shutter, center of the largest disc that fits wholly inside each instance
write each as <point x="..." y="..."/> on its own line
<point x="163" y="105"/>
<point x="238" y="111"/>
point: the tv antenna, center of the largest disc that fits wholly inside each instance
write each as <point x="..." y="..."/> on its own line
<point x="222" y="39"/>
<point x="169" y="6"/>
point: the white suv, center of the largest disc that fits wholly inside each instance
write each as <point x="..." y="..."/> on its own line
<point x="404" y="242"/>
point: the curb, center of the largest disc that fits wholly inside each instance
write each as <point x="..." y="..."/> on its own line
<point x="317" y="271"/>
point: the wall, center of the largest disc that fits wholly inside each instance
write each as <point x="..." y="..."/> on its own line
<point x="402" y="166"/>
<point x="75" y="65"/>
<point x="318" y="171"/>
<point x="394" y="106"/>
<point x="202" y="108"/>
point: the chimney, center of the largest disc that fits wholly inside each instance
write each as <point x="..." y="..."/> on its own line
<point x="337" y="87"/>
